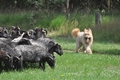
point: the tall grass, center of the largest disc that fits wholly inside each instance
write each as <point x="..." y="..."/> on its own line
<point x="109" y="31"/>
<point x="59" y="26"/>
<point x="57" y="21"/>
<point x="88" y="20"/>
<point x="19" y="19"/>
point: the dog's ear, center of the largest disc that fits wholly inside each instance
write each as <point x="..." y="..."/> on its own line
<point x="85" y="31"/>
<point x="90" y="30"/>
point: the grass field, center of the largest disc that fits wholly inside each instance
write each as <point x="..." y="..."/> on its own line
<point x="103" y="64"/>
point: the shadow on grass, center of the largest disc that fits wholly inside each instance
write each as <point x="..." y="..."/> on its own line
<point x="110" y="52"/>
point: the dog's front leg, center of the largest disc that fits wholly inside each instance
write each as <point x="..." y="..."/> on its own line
<point x="88" y="50"/>
<point x="77" y="47"/>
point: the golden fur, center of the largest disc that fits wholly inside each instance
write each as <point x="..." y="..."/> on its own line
<point x="83" y="39"/>
<point x="75" y="32"/>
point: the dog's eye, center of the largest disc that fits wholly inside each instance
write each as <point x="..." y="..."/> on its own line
<point x="87" y="38"/>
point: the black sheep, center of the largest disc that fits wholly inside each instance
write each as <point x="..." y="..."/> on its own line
<point x="51" y="44"/>
<point x="4" y="33"/>
<point x="33" y="53"/>
<point x="5" y="59"/>
<point x="7" y="51"/>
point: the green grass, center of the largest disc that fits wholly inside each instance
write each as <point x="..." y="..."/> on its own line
<point x="15" y="19"/>
<point x="98" y="47"/>
<point x="57" y="22"/>
<point x="76" y="66"/>
<point x="73" y="66"/>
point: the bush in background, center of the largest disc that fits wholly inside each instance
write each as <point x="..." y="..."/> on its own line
<point x="56" y="23"/>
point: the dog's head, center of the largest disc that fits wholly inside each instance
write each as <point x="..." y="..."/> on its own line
<point x="88" y="36"/>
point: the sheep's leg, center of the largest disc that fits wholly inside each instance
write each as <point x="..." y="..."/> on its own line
<point x="42" y="65"/>
<point x="0" y="66"/>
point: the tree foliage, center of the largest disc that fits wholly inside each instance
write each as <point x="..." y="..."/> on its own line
<point x="57" y="4"/>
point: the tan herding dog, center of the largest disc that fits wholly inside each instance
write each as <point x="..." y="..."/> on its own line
<point x="83" y="39"/>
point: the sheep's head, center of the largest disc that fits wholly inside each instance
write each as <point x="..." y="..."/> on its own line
<point x="17" y="62"/>
<point x="40" y="32"/>
<point x="51" y="60"/>
<point x="54" y="47"/>
<point x="58" y="49"/>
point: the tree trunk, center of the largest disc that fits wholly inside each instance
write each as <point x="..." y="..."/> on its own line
<point x="67" y="10"/>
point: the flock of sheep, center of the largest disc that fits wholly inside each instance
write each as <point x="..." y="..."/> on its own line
<point x="18" y="47"/>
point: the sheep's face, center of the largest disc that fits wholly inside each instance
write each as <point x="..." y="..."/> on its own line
<point x="15" y="32"/>
<point x="31" y="34"/>
<point x="4" y="32"/>
<point x="51" y="61"/>
<point x="58" y="49"/>
<point x="8" y="60"/>
<point x="55" y="48"/>
<point x="40" y="32"/>
<point x="17" y="62"/>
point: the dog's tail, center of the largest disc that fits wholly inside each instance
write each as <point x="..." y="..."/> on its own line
<point x="75" y="32"/>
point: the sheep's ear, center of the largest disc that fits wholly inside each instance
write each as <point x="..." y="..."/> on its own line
<point x="20" y="56"/>
<point x="36" y="28"/>
<point x="28" y="33"/>
<point x="18" y="28"/>
<point x="57" y="44"/>
<point x="44" y="31"/>
<point x="51" y="43"/>
<point x="9" y="55"/>
<point x="6" y="57"/>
